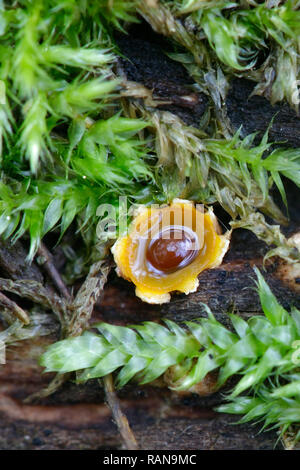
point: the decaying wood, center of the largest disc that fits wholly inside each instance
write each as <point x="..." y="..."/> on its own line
<point x="255" y="113"/>
<point x="146" y="63"/>
<point x="75" y="416"/>
<point x="90" y="427"/>
<point x="13" y="262"/>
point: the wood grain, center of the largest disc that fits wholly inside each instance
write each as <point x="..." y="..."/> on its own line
<point x="76" y="417"/>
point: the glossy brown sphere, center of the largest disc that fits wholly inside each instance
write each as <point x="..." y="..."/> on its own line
<point x="172" y="250"/>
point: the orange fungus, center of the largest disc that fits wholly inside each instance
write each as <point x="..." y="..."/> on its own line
<point x="166" y="248"/>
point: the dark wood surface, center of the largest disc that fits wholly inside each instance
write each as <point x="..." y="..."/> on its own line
<point x="76" y="417"/>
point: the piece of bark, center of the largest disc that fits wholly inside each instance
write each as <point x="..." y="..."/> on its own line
<point x="145" y="62"/>
<point x="255" y="113"/>
<point x="75" y="417"/>
<point x="180" y="431"/>
<point x="181" y="421"/>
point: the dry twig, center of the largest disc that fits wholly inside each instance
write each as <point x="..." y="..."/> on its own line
<point x="119" y="417"/>
<point x="36" y="292"/>
<point x="82" y="307"/>
<point x="46" y="261"/>
<point x="14" y="308"/>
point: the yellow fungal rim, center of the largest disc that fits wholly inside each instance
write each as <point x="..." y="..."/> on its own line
<point x="154" y="288"/>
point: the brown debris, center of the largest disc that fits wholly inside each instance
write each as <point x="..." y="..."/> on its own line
<point x="47" y="262"/>
<point x="119" y="417"/>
